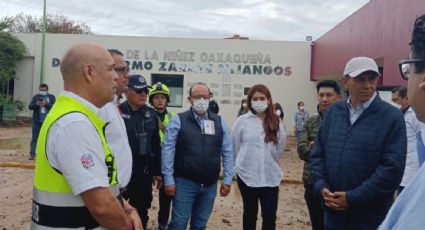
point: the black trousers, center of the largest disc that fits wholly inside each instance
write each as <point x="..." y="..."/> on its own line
<point x="317" y="216"/>
<point x="268" y="197"/>
<point x="139" y="191"/>
<point x="164" y="207"/>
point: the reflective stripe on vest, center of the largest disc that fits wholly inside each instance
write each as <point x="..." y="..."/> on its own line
<point x="61" y="211"/>
<point x="63" y="199"/>
<point x="54" y="205"/>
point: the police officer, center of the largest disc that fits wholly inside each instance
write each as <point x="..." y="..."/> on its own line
<point x="159" y="97"/>
<point x="142" y="127"/>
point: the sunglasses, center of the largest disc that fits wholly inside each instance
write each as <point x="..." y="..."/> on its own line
<point x="141" y="91"/>
<point x="405" y="67"/>
<point x="122" y="70"/>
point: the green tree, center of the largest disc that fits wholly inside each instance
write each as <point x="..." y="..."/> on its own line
<point x="12" y="51"/>
<point x="55" y="23"/>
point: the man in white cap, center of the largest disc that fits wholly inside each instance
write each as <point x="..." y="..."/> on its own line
<point x="358" y="158"/>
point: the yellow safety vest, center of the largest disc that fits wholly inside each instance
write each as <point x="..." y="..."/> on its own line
<point x="54" y="205"/>
<point x="163" y="124"/>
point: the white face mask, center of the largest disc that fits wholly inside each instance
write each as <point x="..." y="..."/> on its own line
<point x="200" y="105"/>
<point x="302" y="108"/>
<point x="43" y="93"/>
<point x="259" y="106"/>
<point x="278" y="112"/>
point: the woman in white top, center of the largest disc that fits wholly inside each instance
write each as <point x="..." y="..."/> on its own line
<point x="258" y="142"/>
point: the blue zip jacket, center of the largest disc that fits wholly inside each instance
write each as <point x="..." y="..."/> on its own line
<point x="366" y="160"/>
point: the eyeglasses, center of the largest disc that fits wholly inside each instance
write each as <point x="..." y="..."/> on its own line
<point x="122" y="70"/>
<point x="406" y="67"/>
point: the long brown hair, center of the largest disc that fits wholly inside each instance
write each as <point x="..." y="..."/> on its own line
<point x="271" y="120"/>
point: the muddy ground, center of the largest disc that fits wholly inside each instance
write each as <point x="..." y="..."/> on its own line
<point x="16" y="190"/>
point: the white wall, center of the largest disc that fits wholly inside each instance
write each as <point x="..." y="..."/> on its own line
<point x="286" y="89"/>
<point x="24" y="83"/>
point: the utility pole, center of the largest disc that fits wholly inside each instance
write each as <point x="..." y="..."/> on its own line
<point x="43" y="43"/>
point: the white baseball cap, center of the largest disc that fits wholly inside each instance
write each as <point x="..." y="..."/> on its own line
<point x="358" y="65"/>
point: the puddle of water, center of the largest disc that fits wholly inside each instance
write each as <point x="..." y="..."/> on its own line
<point x="18" y="143"/>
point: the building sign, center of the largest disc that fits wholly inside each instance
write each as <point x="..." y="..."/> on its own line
<point x="180" y="61"/>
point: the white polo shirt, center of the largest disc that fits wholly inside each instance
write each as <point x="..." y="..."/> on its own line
<point x="74" y="147"/>
<point x="413" y="126"/>
<point x="116" y="136"/>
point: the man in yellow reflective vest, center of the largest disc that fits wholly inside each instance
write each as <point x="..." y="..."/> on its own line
<point x="75" y="182"/>
<point x="159" y="97"/>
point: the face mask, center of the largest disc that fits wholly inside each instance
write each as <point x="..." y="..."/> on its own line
<point x="200" y="105"/>
<point x="301" y="107"/>
<point x="43" y="93"/>
<point x="259" y="106"/>
<point x="278" y="112"/>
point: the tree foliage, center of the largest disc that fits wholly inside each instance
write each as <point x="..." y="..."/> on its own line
<point x="55" y="23"/>
<point x="12" y="51"/>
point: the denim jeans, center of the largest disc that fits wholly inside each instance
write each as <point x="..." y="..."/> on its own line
<point x="36" y="126"/>
<point x="298" y="136"/>
<point x="268" y="197"/>
<point x="192" y="201"/>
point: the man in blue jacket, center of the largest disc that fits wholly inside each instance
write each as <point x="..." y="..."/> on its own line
<point x="358" y="158"/>
<point x="41" y="103"/>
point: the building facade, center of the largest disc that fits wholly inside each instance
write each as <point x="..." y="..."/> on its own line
<point x="229" y="67"/>
<point x="381" y="30"/>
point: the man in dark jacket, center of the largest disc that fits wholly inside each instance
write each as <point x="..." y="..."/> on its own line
<point x="142" y="127"/>
<point x="328" y="92"/>
<point x="40" y="104"/>
<point x="359" y="155"/>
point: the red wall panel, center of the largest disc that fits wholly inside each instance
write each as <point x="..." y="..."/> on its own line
<point x="381" y="30"/>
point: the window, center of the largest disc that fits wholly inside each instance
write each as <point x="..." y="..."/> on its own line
<point x="225" y="91"/>
<point x="246" y="90"/>
<point x="174" y="83"/>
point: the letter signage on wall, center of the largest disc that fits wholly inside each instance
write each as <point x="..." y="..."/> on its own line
<point x="221" y="63"/>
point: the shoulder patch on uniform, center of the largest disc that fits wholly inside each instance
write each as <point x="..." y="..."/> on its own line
<point x="87" y="161"/>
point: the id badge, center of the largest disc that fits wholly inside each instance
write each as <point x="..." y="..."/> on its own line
<point x="209" y="127"/>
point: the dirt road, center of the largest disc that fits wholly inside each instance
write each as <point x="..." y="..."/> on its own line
<point x="16" y="191"/>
